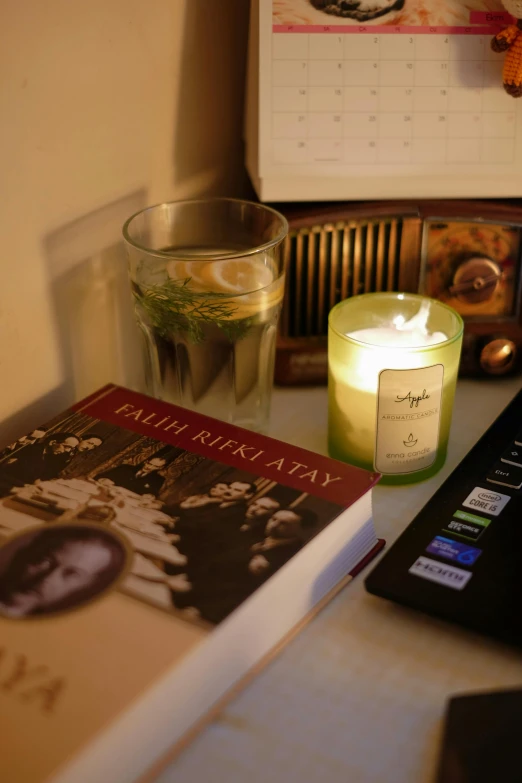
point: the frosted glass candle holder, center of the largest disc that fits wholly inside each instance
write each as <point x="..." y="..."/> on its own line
<point x="391" y="390"/>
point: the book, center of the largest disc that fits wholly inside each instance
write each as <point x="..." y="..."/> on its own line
<point x="151" y="559"/>
<point x="379" y="100"/>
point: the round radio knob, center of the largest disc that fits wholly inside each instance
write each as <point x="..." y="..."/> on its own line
<point x="498" y="356"/>
<point x="476" y="280"/>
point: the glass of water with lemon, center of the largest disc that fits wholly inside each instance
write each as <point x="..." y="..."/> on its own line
<point x="208" y="279"/>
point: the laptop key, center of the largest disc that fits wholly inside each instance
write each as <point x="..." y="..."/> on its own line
<point x="506" y="475"/>
<point x="513" y="455"/>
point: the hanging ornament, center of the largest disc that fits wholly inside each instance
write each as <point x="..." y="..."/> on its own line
<point x="509" y="40"/>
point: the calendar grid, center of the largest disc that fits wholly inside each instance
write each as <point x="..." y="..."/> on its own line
<point x="380" y="99"/>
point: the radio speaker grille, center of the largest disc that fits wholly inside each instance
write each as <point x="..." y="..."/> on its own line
<point x="327" y="263"/>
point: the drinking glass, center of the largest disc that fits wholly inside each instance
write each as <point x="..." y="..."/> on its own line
<point x="208" y="278"/>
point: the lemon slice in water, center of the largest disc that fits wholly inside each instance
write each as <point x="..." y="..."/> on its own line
<point x="250" y="283"/>
<point x="178" y="270"/>
<point x="236" y="275"/>
<point x="181" y="270"/>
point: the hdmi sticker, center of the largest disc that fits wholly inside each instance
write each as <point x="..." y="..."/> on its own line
<point x="446" y="575"/>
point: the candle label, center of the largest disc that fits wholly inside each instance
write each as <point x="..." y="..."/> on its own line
<point x="408" y="419"/>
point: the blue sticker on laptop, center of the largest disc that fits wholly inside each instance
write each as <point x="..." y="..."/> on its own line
<point x="454" y="550"/>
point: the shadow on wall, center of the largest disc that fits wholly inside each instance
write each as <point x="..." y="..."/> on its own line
<point x="35" y="414"/>
<point x="87" y="271"/>
<point x="94" y="319"/>
<point x="98" y="339"/>
<point x="208" y="149"/>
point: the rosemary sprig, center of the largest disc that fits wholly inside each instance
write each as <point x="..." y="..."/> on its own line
<point x="173" y="307"/>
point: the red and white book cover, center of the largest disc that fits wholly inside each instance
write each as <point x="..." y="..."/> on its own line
<point x="132" y="534"/>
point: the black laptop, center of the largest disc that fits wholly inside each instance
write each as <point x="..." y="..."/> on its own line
<point x="461" y="557"/>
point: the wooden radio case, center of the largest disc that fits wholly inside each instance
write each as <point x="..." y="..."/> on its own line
<point x="465" y="253"/>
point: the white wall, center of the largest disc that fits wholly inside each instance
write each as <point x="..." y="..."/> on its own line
<point x="105" y="106"/>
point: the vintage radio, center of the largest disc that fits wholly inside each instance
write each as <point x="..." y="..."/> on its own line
<point x="466" y="254"/>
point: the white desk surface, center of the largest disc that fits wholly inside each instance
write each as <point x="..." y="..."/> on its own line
<point x="359" y="695"/>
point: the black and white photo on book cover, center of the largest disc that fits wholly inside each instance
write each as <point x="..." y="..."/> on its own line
<point x="409" y="13"/>
<point x="86" y="507"/>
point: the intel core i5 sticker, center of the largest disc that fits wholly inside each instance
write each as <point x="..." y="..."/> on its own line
<point x="447" y="575"/>
<point x="454" y="550"/>
<point x="486" y="500"/>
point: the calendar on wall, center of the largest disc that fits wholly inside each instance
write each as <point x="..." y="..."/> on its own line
<point x="371" y="99"/>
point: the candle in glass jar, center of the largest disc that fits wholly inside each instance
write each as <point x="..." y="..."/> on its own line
<point x="391" y="383"/>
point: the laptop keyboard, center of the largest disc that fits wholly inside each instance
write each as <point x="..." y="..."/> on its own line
<point x="461" y="557"/>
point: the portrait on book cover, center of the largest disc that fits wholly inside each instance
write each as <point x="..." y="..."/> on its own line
<point x="57" y="568"/>
<point x="203" y="535"/>
<point x="380" y="12"/>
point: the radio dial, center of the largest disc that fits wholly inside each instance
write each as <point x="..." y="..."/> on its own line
<point x="498" y="356"/>
<point x="476" y="280"/>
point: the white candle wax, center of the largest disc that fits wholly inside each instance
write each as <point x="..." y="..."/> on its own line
<point x="392" y="337"/>
<point x="401" y="333"/>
